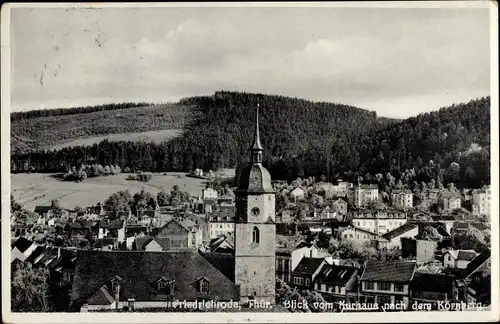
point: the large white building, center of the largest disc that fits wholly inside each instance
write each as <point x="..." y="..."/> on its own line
<point x="378" y="221"/>
<point x="481" y="201"/>
<point x="402" y="198"/>
<point x="365" y="194"/>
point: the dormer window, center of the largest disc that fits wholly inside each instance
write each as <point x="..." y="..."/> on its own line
<point x="115" y="286"/>
<point x="165" y="286"/>
<point x="204" y="287"/>
<point x="255" y="235"/>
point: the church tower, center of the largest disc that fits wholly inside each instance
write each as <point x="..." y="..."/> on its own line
<point x="255" y="229"/>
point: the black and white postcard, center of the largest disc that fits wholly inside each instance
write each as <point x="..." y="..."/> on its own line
<point x="250" y="162"/>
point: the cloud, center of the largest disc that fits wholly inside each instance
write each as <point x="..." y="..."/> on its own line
<point x="396" y="62"/>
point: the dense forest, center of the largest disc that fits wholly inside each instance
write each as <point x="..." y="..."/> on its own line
<point x="301" y="138"/>
<point x="74" y="111"/>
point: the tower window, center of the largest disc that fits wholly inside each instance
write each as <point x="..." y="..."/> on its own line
<point x="255" y="235"/>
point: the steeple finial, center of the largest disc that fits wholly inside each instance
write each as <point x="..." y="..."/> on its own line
<point x="257" y="148"/>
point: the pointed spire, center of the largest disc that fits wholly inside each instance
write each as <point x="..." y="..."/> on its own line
<point x="256" y="140"/>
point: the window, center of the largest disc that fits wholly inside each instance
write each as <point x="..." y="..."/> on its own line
<point x="384" y="299"/>
<point x="384" y="286"/>
<point x="115" y="286"/>
<point x="204" y="286"/>
<point x="166" y="286"/>
<point x="307" y="282"/>
<point x="398" y="287"/>
<point x="369" y="285"/>
<point x="255" y="235"/>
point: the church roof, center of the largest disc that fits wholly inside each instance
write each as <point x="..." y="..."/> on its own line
<point x="255" y="179"/>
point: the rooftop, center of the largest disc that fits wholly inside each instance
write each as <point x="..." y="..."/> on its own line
<point x="393" y="271"/>
<point x="308" y="266"/>
<point x="400" y="231"/>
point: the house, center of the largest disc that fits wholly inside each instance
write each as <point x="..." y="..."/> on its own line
<point x="431" y="288"/>
<point x="286" y="216"/>
<point x="304" y="249"/>
<point x="306" y="271"/>
<point x="420" y="250"/>
<point x="44" y="211"/>
<point x="140" y="242"/>
<point x="158" y="244"/>
<point x="458" y="258"/>
<point x="481" y="201"/>
<point x="386" y="282"/>
<point x="365" y="194"/>
<point x="284" y="263"/>
<point x="393" y="238"/>
<point x="106" y="244"/>
<point x="341" y="189"/>
<point x="358" y="235"/>
<point x="433" y="195"/>
<point x="182" y="233"/>
<point x="145" y="280"/>
<point x="326" y="214"/>
<point x="209" y="193"/>
<point x="378" y="221"/>
<point x="340" y="206"/>
<point x="220" y="223"/>
<point x="225" y="200"/>
<point x="112" y="228"/>
<point x="402" y="198"/>
<point x="297" y="194"/>
<point x="337" y="283"/>
<point x="477" y="279"/>
<point x="451" y="200"/>
<point x="22" y="249"/>
<point x="18" y="230"/>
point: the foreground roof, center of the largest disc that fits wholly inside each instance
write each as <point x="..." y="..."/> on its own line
<point x="139" y="271"/>
<point x="394" y="271"/>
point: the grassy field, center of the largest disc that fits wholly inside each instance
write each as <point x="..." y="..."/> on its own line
<point x="39" y="189"/>
<point x="52" y="131"/>
<point x="152" y="136"/>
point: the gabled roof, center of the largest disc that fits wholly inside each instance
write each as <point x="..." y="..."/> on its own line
<point x="142" y="241"/>
<point x="42" y="209"/>
<point x="101" y="297"/>
<point x="464" y="255"/>
<point x="477" y="262"/>
<point x="339" y="200"/>
<point x="393" y="271"/>
<point x="432" y="282"/>
<point x="305" y="244"/>
<point x="358" y="229"/>
<point x="22" y="244"/>
<point x="336" y="274"/>
<point x="307" y="266"/>
<point x="399" y="231"/>
<point x="141" y="270"/>
<point x="38" y="250"/>
<point x="163" y="242"/>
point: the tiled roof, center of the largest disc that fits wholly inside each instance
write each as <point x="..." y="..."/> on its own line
<point x="141" y="270"/>
<point x="42" y="209"/>
<point x="142" y="241"/>
<point x="308" y="266"/>
<point x="466" y="255"/>
<point x="432" y="282"/>
<point x="393" y="271"/>
<point x="400" y="231"/>
<point x="22" y="244"/>
<point x="336" y="274"/>
<point x="477" y="262"/>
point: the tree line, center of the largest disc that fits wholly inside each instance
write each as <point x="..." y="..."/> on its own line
<point x="301" y="138"/>
<point x="73" y="111"/>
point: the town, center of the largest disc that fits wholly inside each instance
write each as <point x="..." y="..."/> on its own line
<point x="375" y="240"/>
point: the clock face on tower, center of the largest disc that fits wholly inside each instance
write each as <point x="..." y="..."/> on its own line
<point x="255" y="211"/>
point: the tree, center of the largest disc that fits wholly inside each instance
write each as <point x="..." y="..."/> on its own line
<point x="118" y="201"/>
<point x="430" y="233"/>
<point x="14" y="205"/>
<point x="453" y="172"/>
<point x="317" y="201"/>
<point x="29" y="289"/>
<point x="315" y="301"/>
<point x="471" y="239"/>
<point x="162" y="198"/>
<point x="323" y="240"/>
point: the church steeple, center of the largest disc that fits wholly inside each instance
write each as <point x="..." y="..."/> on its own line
<point x="256" y="150"/>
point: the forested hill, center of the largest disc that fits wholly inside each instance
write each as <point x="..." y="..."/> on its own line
<point x="459" y="133"/>
<point x="300" y="138"/>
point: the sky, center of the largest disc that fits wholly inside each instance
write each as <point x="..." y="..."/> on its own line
<point x="398" y="62"/>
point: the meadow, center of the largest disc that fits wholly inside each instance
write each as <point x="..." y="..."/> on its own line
<point x="41" y="188"/>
